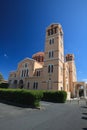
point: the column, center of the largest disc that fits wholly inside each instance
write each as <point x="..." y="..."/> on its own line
<point x="74" y="91"/>
<point x="78" y="93"/>
<point x="84" y="91"/>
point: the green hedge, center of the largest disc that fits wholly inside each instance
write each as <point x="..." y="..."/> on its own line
<point x="31" y="98"/>
<point x="21" y="97"/>
<point x="4" y="85"/>
<point x="54" y="96"/>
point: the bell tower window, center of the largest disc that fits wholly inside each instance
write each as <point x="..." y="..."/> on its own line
<point x="51" y="41"/>
<point x="50" y="68"/>
<point x="51" y="54"/>
<point x="52" y="31"/>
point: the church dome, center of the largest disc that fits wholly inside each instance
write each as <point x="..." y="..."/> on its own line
<point x="39" y="56"/>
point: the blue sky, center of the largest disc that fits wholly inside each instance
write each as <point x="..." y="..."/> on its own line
<point x="22" y="30"/>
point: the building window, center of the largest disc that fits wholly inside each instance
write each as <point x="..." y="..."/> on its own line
<point x="38" y="73"/>
<point x="35" y="85"/>
<point x="51" y="41"/>
<point x="28" y="85"/>
<point x="22" y="74"/>
<point x="27" y="73"/>
<point x="25" y="65"/>
<point x="55" y="30"/>
<point x="51" y="54"/>
<point x="48" y="32"/>
<point x="50" y="69"/>
<point x="52" y="31"/>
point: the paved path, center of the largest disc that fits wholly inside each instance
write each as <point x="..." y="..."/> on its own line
<point x="68" y="116"/>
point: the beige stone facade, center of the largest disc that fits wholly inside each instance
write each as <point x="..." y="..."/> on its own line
<point x="48" y="70"/>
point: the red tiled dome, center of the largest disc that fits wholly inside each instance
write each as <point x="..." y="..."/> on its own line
<point x="39" y="56"/>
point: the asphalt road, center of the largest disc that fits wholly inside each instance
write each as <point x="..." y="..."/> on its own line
<point x="51" y="116"/>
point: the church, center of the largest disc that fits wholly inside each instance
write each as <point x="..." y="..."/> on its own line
<point x="48" y="70"/>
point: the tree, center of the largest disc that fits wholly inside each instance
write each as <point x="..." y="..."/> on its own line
<point x="1" y="77"/>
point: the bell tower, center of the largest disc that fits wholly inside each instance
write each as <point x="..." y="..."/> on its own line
<point x="54" y="58"/>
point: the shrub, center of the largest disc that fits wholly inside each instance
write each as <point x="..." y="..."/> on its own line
<point x="54" y="96"/>
<point x="4" y="85"/>
<point x="21" y="97"/>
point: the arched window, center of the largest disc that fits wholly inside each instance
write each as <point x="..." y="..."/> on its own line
<point x="50" y="68"/>
<point x="35" y="85"/>
<point x="55" y="30"/>
<point x="22" y="73"/>
<point x="25" y="65"/>
<point x="27" y="73"/>
<point x="51" y="54"/>
<point x="51" y="41"/>
<point x="38" y="73"/>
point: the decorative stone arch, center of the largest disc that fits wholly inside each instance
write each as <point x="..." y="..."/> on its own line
<point x="15" y="83"/>
<point x="77" y="87"/>
<point x="21" y="84"/>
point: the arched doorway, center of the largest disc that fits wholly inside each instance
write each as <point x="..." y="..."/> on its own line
<point x="80" y="90"/>
<point x="15" y="83"/>
<point x="21" y="84"/>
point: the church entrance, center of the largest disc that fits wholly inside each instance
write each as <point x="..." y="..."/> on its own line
<point x="15" y="84"/>
<point x="80" y="90"/>
<point x="21" y="84"/>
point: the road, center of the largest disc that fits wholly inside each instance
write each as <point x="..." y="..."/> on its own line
<point x="51" y="116"/>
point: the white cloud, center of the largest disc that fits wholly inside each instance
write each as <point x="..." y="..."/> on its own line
<point x="5" y="55"/>
<point x="85" y="80"/>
